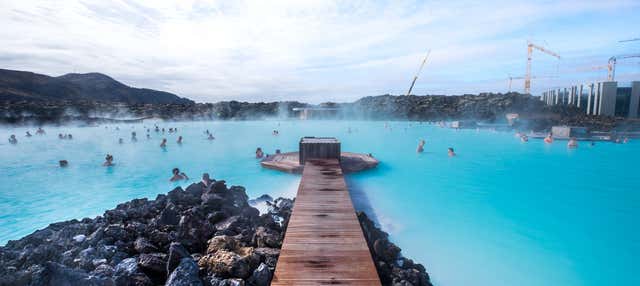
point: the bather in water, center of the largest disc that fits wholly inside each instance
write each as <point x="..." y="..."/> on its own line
<point x="28" y="134"/>
<point x="451" y="152"/>
<point x="573" y="143"/>
<point x="108" y="161"/>
<point x="259" y="153"/>
<point x="163" y="144"/>
<point x="13" y="139"/>
<point x="179" y="140"/>
<point x="420" y="146"/>
<point x="177" y="175"/>
<point x="211" y="137"/>
<point x="548" y="139"/>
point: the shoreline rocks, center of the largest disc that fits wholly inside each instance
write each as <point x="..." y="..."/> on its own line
<point x="485" y="107"/>
<point x="186" y="237"/>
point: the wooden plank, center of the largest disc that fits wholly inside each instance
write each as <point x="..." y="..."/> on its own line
<point x="324" y="243"/>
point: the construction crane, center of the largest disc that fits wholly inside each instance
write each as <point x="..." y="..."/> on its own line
<point x="418" y="73"/>
<point x="611" y="67"/>
<point x="527" y="76"/>
<point x="511" y="78"/>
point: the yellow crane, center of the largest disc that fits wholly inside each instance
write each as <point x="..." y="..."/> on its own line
<point x="511" y="78"/>
<point x="527" y="77"/>
<point x="418" y="73"/>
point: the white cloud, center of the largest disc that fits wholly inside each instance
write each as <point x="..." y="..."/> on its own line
<point x="308" y="50"/>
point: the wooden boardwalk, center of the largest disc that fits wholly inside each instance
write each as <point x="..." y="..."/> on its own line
<point x="324" y="243"/>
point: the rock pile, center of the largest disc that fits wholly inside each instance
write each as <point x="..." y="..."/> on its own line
<point x="187" y="237"/>
<point x="393" y="268"/>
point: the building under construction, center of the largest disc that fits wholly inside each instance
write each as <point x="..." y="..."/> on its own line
<point x="608" y="98"/>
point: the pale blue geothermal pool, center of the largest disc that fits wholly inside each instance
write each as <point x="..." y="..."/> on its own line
<point x="500" y="213"/>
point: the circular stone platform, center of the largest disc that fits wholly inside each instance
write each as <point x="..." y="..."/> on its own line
<point x="289" y="162"/>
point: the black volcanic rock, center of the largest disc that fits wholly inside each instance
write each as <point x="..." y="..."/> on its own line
<point x="221" y="244"/>
<point x="18" y="86"/>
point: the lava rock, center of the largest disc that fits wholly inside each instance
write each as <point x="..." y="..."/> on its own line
<point x="186" y="274"/>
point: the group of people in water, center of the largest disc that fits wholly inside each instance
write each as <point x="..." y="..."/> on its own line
<point x="420" y="148"/>
<point x="65" y="136"/>
<point x="571" y="143"/>
<point x="260" y="154"/>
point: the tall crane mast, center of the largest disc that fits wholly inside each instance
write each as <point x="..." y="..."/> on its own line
<point x="418" y="73"/>
<point x="511" y="78"/>
<point x="611" y="67"/>
<point x="527" y="78"/>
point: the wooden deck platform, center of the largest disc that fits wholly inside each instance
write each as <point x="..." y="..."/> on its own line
<point x="324" y="243"/>
<point x="289" y="162"/>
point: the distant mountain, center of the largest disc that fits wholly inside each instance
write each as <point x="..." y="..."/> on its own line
<point x="28" y="86"/>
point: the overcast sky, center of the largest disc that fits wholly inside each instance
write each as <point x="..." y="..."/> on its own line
<point x="316" y="51"/>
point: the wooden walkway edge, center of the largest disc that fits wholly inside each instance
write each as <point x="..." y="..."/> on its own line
<point x="324" y="243"/>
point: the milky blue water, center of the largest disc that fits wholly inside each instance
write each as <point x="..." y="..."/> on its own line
<point x="502" y="212"/>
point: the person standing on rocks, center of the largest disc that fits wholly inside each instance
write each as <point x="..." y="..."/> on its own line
<point x="206" y="182"/>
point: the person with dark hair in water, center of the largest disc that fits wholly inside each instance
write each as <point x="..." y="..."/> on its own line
<point x="13" y="139"/>
<point x="28" y="134"/>
<point x="133" y="137"/>
<point x="179" y="140"/>
<point x="40" y="131"/>
<point x="108" y="161"/>
<point x="177" y="175"/>
<point x="451" y="152"/>
<point x="259" y="153"/>
<point x="163" y="144"/>
<point x="63" y="163"/>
